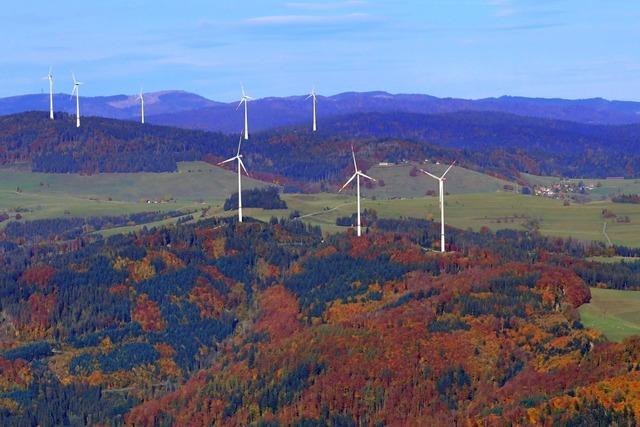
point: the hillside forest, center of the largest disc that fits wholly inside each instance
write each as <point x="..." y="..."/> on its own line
<point x="498" y="144"/>
<point x="227" y="323"/>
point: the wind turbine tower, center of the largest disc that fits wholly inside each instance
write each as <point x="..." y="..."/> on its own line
<point x="357" y="176"/>
<point x="50" y="78"/>
<point x="141" y="99"/>
<point x="313" y="96"/>
<point x="241" y="168"/>
<point x="76" y="91"/>
<point x="441" y="180"/>
<point x="244" y="100"/>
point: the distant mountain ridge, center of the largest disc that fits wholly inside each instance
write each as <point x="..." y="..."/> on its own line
<point x="125" y="107"/>
<point x="191" y="111"/>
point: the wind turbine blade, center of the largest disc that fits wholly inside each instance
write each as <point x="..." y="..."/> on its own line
<point x="73" y="76"/>
<point x="242" y="88"/>
<point x="310" y="96"/>
<point x="448" y="169"/>
<point x="240" y="142"/>
<point x="227" y="161"/>
<point x="353" y="154"/>
<point x="242" y="166"/>
<point x="366" y="176"/>
<point x="348" y="182"/>
<point x="240" y="104"/>
<point x="430" y="174"/>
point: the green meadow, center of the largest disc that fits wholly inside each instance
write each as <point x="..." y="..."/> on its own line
<point x="615" y="313"/>
<point x="399" y="182"/>
<point x="194" y="181"/>
<point x="474" y="200"/>
<point x="41" y="195"/>
<point x="496" y="211"/>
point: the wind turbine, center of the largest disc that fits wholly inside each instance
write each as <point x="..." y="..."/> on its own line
<point x="50" y="78"/>
<point x="238" y="157"/>
<point x="245" y="98"/>
<point x="76" y="90"/>
<point x="313" y="96"/>
<point x="141" y="99"/>
<point x="356" y="176"/>
<point x="441" y="180"/>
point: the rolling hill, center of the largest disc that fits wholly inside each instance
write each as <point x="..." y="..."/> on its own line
<point x="503" y="145"/>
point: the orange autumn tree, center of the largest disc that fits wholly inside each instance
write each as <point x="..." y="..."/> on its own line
<point x="147" y="313"/>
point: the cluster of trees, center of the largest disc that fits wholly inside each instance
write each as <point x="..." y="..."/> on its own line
<point x="340" y="277"/>
<point x="627" y="198"/>
<point x="367" y="217"/>
<point x="622" y="275"/>
<point x="72" y="228"/>
<point x="48" y="402"/>
<point x="265" y="198"/>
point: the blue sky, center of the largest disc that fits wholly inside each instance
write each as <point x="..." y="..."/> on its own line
<point x="467" y="48"/>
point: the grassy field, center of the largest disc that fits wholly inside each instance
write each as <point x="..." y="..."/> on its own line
<point x="399" y="183"/>
<point x="195" y="185"/>
<point x="475" y="200"/>
<point x="194" y="181"/>
<point x="615" y="313"/>
<point x="494" y="210"/>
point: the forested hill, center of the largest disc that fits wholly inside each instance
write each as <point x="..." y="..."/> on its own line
<point x="108" y="145"/>
<point x="270" y="324"/>
<point x="101" y="145"/>
<point x="495" y="143"/>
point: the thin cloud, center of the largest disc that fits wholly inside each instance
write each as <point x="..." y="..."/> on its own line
<point x="325" y="5"/>
<point x="505" y="12"/>
<point x="527" y="27"/>
<point x="290" y="20"/>
<point x="503" y="8"/>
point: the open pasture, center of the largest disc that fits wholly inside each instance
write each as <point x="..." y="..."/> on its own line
<point x="475" y="200"/>
<point x="614" y="313"/>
